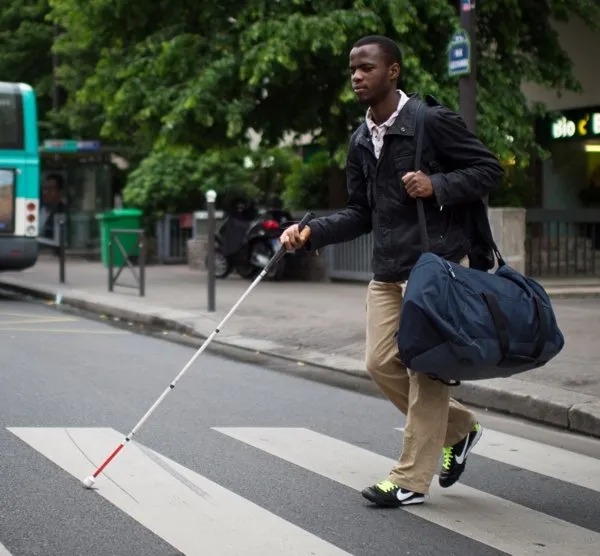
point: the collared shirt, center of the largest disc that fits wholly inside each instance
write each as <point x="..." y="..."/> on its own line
<point x="378" y="131"/>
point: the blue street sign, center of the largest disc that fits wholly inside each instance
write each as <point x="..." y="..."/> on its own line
<point x="459" y="54"/>
<point x="70" y="145"/>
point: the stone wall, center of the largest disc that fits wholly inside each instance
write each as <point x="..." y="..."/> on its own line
<point x="196" y="252"/>
<point x="508" y="229"/>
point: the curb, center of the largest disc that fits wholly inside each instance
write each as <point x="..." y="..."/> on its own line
<point x="568" y="410"/>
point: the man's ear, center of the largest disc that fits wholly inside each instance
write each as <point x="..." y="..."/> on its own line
<point x="394" y="71"/>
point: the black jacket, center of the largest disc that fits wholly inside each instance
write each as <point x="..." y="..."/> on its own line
<point x="461" y="169"/>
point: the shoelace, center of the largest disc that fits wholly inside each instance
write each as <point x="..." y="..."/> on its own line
<point x="386" y="486"/>
<point x="448" y="453"/>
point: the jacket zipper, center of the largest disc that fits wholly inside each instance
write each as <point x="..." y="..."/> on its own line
<point x="377" y="166"/>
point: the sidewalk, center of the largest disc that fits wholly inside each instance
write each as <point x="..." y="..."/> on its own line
<point x="323" y="324"/>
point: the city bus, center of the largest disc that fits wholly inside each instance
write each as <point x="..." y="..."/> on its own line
<point x="19" y="177"/>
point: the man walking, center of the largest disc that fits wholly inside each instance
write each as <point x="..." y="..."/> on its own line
<point x="382" y="187"/>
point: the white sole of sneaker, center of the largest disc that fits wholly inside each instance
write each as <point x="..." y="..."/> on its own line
<point x="413" y="502"/>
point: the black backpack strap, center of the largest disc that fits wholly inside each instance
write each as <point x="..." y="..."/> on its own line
<point x="419" y="134"/>
<point x="479" y="209"/>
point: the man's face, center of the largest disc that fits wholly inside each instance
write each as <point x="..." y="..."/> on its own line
<point x="50" y="192"/>
<point x="372" y="76"/>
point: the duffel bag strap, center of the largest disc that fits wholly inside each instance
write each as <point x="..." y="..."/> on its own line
<point x="501" y="325"/>
<point x="542" y="330"/>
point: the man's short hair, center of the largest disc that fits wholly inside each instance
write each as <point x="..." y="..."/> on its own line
<point x="387" y="45"/>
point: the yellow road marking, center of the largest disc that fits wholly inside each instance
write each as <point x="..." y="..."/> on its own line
<point x="3" y="314"/>
<point x="63" y="330"/>
<point x="26" y="315"/>
<point x="41" y="320"/>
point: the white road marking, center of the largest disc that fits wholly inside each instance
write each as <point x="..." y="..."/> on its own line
<point x="557" y="463"/>
<point x="4" y="551"/>
<point x="477" y="515"/>
<point x="193" y="514"/>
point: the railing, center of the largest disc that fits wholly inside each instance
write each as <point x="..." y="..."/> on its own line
<point x="557" y="243"/>
<point x="351" y="260"/>
<point x="563" y="242"/>
<point x="124" y="256"/>
<point x="172" y="234"/>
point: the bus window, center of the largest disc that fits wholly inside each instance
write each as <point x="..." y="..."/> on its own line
<point x="7" y="200"/>
<point x="11" y="120"/>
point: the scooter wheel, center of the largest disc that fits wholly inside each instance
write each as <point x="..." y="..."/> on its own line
<point x="247" y="271"/>
<point x="265" y="250"/>
<point x="223" y="267"/>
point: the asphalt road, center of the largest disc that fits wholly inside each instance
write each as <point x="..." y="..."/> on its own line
<point x="248" y="458"/>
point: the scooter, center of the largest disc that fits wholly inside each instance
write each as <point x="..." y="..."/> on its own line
<point x="247" y="244"/>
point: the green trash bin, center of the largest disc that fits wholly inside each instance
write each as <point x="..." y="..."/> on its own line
<point x="119" y="219"/>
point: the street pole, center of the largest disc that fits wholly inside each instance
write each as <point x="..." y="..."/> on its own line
<point x="61" y="249"/>
<point x="211" y="197"/>
<point x="468" y="83"/>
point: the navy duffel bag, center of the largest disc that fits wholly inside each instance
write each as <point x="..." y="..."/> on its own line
<point x="460" y="324"/>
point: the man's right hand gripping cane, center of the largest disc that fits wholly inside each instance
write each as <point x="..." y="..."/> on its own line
<point x="293" y="238"/>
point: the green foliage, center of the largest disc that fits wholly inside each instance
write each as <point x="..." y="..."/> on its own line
<point x="25" y="49"/>
<point x="517" y="189"/>
<point x="307" y="184"/>
<point x="176" y="84"/>
<point x="175" y="179"/>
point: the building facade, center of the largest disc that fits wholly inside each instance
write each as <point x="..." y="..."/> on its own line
<point x="570" y="178"/>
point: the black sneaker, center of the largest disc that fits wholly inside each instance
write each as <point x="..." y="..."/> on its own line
<point x="389" y="495"/>
<point x="455" y="457"/>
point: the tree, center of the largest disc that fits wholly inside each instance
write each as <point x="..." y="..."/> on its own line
<point x="163" y="77"/>
<point x="25" y="50"/>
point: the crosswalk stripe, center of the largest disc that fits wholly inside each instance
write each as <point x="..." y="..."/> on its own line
<point x="550" y="461"/>
<point x="4" y="551"/>
<point x="488" y="519"/>
<point x="190" y="512"/>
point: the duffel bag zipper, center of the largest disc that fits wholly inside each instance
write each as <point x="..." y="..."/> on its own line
<point x="450" y="269"/>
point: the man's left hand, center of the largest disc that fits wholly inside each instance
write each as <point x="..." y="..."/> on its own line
<point x="418" y="184"/>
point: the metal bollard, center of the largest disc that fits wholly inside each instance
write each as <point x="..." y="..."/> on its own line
<point x="211" y="197"/>
<point x="110" y="263"/>
<point x="142" y="264"/>
<point x="61" y="249"/>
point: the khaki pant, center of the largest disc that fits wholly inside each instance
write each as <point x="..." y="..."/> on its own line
<point x="433" y="419"/>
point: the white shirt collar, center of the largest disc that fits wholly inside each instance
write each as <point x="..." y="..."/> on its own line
<point x="402" y="100"/>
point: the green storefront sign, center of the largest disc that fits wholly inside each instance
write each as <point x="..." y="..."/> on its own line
<point x="575" y="124"/>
